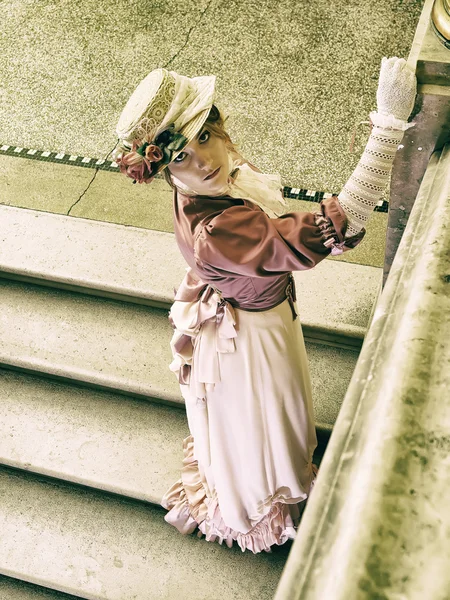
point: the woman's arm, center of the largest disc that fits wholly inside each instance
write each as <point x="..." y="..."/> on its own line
<point x="365" y="186"/>
<point x="396" y="93"/>
<point x="243" y="240"/>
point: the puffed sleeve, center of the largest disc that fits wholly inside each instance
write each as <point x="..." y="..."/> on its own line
<point x="246" y="241"/>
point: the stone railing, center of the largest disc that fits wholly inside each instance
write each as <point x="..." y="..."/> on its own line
<point x="377" y="524"/>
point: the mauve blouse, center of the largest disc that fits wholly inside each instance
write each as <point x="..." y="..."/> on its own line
<point x="232" y="245"/>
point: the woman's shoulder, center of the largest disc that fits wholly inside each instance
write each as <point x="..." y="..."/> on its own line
<point x="205" y="208"/>
<point x="228" y="213"/>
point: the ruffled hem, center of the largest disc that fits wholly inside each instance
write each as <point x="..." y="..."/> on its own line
<point x="190" y="507"/>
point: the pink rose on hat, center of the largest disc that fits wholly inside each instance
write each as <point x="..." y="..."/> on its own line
<point x="153" y="153"/>
<point x="140" y="173"/>
<point x="141" y="170"/>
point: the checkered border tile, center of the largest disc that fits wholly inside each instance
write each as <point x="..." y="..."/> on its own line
<point x="59" y="157"/>
<point x="109" y="165"/>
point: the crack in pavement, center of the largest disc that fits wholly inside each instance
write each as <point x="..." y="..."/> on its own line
<point x="91" y="181"/>
<point x="188" y="35"/>
<point x="164" y="66"/>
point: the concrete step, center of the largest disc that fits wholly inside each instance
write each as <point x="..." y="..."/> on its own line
<point x="14" y="589"/>
<point x="109" y="441"/>
<point x="101" y="547"/>
<point x="123" y="347"/>
<point x="144" y="266"/>
<point x="90" y="437"/>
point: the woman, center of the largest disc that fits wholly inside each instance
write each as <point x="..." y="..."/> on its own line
<point x="238" y="348"/>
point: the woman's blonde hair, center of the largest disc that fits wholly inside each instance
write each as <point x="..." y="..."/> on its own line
<point x="216" y="126"/>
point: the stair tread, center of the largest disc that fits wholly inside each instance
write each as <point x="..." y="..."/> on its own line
<point x="95" y="340"/>
<point x="89" y="544"/>
<point x="114" y="345"/>
<point x="120" y="444"/>
<point x="90" y="437"/>
<point x="102" y="440"/>
<point x="131" y="263"/>
<point x="14" y="589"/>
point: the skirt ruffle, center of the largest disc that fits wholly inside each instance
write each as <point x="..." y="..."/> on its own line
<point x="190" y="507"/>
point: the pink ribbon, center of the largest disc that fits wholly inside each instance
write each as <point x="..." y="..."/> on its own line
<point x="203" y="329"/>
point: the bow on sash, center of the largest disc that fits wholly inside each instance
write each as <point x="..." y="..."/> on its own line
<point x="203" y="329"/>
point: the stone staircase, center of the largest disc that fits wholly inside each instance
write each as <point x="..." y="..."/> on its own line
<point x="92" y="420"/>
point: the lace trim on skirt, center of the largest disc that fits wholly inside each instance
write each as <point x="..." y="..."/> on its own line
<point x="190" y="507"/>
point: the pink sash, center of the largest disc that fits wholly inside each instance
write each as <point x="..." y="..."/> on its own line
<point x="204" y="327"/>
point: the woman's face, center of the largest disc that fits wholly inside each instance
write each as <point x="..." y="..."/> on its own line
<point x="200" y="158"/>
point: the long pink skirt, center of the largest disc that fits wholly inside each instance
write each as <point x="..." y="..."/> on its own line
<point x="247" y="468"/>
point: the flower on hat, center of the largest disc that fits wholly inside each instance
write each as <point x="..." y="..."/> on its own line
<point x="139" y="169"/>
<point x="154" y="154"/>
<point x="170" y="141"/>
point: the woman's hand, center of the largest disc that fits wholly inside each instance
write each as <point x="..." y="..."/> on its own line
<point x="397" y="88"/>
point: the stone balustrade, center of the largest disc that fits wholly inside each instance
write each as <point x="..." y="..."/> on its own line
<point x="377" y="524"/>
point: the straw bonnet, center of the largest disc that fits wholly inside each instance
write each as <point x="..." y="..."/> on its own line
<point x="164" y="114"/>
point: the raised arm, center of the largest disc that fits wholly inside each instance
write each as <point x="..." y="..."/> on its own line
<point x="243" y="240"/>
<point x="395" y="99"/>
